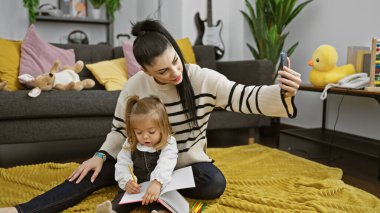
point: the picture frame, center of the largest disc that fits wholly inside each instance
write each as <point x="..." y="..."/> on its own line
<point x="65" y="7"/>
<point x="78" y="8"/>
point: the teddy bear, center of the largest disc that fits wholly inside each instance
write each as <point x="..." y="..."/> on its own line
<point x="4" y="86"/>
<point x="65" y="79"/>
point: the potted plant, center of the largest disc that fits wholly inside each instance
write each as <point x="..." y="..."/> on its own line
<point x="267" y="23"/>
<point x="32" y="6"/>
<point x="96" y="4"/>
<point x="111" y="6"/>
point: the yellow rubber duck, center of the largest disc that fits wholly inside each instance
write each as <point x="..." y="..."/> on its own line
<point x="325" y="71"/>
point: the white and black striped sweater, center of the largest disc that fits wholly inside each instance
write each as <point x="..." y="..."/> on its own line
<point x="211" y="90"/>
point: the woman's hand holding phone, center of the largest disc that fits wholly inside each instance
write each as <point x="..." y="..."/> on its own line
<point x="290" y="80"/>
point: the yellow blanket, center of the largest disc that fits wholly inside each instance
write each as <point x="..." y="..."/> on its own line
<point x="259" y="179"/>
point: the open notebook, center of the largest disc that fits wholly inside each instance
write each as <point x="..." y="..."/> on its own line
<point x="169" y="197"/>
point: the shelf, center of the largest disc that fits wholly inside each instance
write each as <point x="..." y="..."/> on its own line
<point x="353" y="143"/>
<point x="72" y="20"/>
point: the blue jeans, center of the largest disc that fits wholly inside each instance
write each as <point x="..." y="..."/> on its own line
<point x="209" y="181"/>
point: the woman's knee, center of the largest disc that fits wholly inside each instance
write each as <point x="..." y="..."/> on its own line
<point x="209" y="180"/>
<point x="217" y="186"/>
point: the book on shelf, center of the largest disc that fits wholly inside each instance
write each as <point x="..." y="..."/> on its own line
<point x="367" y="63"/>
<point x="169" y="197"/>
<point x="360" y="60"/>
<point x="355" y="56"/>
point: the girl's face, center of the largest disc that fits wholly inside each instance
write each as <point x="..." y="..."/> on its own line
<point x="166" y="68"/>
<point x="146" y="130"/>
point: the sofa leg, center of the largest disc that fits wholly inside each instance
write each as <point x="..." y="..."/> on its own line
<point x="253" y="135"/>
<point x="251" y="140"/>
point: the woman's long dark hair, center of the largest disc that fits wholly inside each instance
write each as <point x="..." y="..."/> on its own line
<point x="152" y="39"/>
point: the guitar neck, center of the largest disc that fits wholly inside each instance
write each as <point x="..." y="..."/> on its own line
<point x="209" y="13"/>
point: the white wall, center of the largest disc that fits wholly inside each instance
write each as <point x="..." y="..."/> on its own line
<point x="339" y="23"/>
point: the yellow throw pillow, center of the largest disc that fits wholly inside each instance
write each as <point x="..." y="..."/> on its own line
<point x="187" y="50"/>
<point x="111" y="74"/>
<point x="10" y="63"/>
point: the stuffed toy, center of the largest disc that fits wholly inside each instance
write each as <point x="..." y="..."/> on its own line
<point x="325" y="71"/>
<point x="66" y="79"/>
<point x="4" y="86"/>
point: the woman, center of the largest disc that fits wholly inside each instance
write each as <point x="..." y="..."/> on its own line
<point x="190" y="93"/>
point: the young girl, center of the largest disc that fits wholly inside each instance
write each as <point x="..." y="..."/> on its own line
<point x="189" y="93"/>
<point x="151" y="150"/>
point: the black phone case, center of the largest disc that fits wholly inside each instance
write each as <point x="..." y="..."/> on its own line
<point x="283" y="59"/>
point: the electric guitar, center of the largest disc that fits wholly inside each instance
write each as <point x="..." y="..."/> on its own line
<point x="209" y="34"/>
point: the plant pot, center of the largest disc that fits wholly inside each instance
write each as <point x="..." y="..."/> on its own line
<point x="96" y="13"/>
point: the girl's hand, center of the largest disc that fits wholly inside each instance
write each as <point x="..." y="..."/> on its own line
<point x="152" y="193"/>
<point x="290" y="81"/>
<point x="132" y="187"/>
<point x="94" y="163"/>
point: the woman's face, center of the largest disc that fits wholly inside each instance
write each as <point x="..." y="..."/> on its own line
<point x="166" y="68"/>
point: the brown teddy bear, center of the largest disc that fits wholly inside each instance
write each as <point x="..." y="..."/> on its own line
<point x="66" y="79"/>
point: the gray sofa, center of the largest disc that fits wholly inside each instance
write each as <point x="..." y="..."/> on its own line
<point x="64" y="126"/>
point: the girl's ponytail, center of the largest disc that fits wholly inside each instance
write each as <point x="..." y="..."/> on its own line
<point x="132" y="100"/>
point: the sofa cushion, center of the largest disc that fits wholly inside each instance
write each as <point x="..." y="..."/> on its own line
<point x="130" y="60"/>
<point x="117" y="52"/>
<point x="205" y="56"/>
<point x="57" y="104"/>
<point x="187" y="50"/>
<point x="222" y="119"/>
<point x="110" y="73"/>
<point x="54" y="129"/>
<point x="38" y="56"/>
<point x="10" y="62"/>
<point x="90" y="54"/>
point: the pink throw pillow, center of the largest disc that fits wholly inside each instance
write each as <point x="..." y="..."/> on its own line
<point x="38" y="56"/>
<point x="130" y="61"/>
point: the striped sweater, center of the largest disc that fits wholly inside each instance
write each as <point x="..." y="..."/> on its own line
<point x="211" y="90"/>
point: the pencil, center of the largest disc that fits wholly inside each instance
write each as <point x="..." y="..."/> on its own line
<point x="131" y="170"/>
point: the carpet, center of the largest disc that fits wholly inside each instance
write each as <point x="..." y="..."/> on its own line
<point x="259" y="179"/>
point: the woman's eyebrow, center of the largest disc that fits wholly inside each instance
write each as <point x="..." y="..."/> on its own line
<point x="174" y="59"/>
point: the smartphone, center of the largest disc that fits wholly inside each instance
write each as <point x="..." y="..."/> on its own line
<point x="283" y="62"/>
<point x="283" y="59"/>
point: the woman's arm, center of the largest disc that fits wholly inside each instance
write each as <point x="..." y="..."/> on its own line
<point x="248" y="99"/>
<point x="112" y="145"/>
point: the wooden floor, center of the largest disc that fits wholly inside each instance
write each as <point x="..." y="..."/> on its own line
<point x="358" y="170"/>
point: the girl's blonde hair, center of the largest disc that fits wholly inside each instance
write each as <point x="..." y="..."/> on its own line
<point x="151" y="108"/>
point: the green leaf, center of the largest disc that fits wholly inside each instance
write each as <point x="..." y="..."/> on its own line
<point x="112" y="6"/>
<point x="97" y="3"/>
<point x="292" y="48"/>
<point x="254" y="52"/>
<point x="32" y="6"/>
